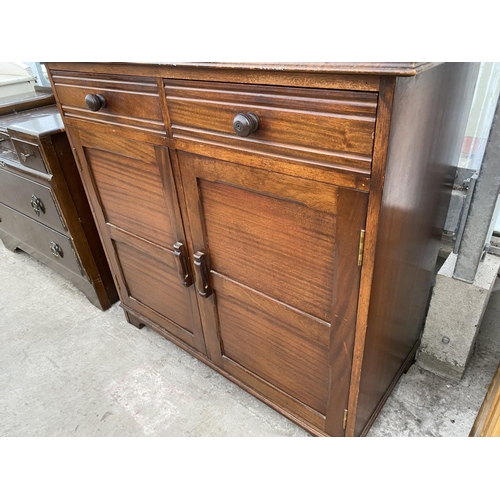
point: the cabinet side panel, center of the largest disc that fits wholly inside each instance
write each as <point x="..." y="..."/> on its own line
<point x="89" y="247"/>
<point x="428" y="122"/>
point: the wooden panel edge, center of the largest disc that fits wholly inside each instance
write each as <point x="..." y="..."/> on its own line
<point x="386" y="96"/>
<point x="35" y="102"/>
<point x="74" y="215"/>
<point x="332" y="68"/>
<point x="350" y="222"/>
<point x="487" y="414"/>
<point x="341" y="78"/>
<point x="283" y="165"/>
<point x="346" y="68"/>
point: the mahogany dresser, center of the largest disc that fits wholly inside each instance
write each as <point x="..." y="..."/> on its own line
<point x="43" y="207"/>
<point x="280" y="222"/>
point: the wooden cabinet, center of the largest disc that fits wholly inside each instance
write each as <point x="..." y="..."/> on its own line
<point x="43" y="207"/>
<point x="280" y="223"/>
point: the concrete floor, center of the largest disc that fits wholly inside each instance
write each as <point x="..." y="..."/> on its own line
<point x="69" y="369"/>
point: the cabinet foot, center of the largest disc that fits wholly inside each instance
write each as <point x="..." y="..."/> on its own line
<point x="9" y="242"/>
<point x="412" y="357"/>
<point x="133" y="320"/>
<point x="408" y="366"/>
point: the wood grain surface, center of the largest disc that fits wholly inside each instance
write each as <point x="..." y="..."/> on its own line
<point x="132" y="196"/>
<point x="128" y="102"/>
<point x="421" y="160"/>
<point x="487" y="423"/>
<point x="324" y="127"/>
<point x="299" y="314"/>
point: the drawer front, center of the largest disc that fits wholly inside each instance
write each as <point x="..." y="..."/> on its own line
<point x="29" y="155"/>
<point x="6" y="146"/>
<point x="30" y="198"/>
<point x="133" y="102"/>
<point x="324" y="127"/>
<point x="51" y="244"/>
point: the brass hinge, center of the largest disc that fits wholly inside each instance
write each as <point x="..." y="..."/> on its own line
<point x="344" y="422"/>
<point x="361" y="247"/>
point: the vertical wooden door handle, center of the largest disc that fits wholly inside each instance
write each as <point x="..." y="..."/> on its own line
<point x="182" y="266"/>
<point x="201" y="270"/>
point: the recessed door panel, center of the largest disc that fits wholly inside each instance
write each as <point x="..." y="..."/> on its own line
<point x="278" y="247"/>
<point x="132" y="195"/>
<point x="154" y="282"/>
<point x="271" y="340"/>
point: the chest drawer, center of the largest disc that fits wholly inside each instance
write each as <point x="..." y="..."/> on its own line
<point x="29" y="155"/>
<point x="5" y="144"/>
<point x="324" y="127"/>
<point x="31" y="199"/>
<point x="52" y="245"/>
<point x="118" y="100"/>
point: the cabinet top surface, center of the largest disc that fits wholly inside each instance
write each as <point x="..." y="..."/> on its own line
<point x="36" y="122"/>
<point x="359" y="68"/>
<point x="26" y="100"/>
<point x="348" y="68"/>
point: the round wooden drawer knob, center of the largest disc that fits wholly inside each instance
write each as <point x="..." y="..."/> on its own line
<point x="95" y="102"/>
<point x="245" y="124"/>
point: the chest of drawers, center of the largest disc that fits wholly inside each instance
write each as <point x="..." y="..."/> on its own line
<point x="43" y="207"/>
<point x="279" y="222"/>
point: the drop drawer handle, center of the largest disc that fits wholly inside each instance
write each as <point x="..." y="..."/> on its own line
<point x="245" y="124"/>
<point x="95" y="102"/>
<point x="25" y="156"/>
<point x="201" y="270"/>
<point x="182" y="266"/>
<point x="37" y="205"/>
<point x="56" y="250"/>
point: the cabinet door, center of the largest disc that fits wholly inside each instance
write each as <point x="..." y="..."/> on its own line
<point x="133" y="196"/>
<point x="277" y="281"/>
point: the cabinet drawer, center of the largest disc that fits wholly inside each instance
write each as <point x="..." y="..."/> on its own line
<point x="129" y="102"/>
<point x="325" y="127"/>
<point x="29" y="155"/>
<point x="30" y="198"/>
<point x="51" y="244"/>
<point x="5" y="144"/>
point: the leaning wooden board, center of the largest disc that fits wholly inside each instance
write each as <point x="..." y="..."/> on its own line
<point x="487" y="423"/>
<point x="279" y="222"/>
